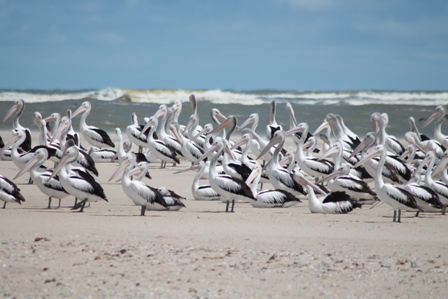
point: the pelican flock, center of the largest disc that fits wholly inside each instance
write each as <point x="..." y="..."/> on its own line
<point x="331" y="167"/>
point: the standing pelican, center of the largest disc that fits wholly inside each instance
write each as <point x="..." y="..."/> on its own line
<point x="17" y="110"/>
<point x="80" y="186"/>
<point x="159" y="148"/>
<point x="9" y="192"/>
<point x="134" y="132"/>
<point x="272" y="126"/>
<point x="41" y="178"/>
<point x="91" y="134"/>
<point x="229" y="188"/>
<point x="140" y="193"/>
<point x="280" y="177"/>
<point x="397" y="197"/>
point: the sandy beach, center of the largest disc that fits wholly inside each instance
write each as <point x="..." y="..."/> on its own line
<point x="109" y="251"/>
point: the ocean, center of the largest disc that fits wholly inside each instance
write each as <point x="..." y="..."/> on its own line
<point x="112" y="107"/>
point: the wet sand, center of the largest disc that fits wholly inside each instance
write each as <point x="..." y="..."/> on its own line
<point x="202" y="252"/>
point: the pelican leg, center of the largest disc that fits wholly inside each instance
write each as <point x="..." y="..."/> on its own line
<point x="399" y="216"/>
<point x="83" y="205"/>
<point x="227" y="206"/>
<point x="4" y="205"/>
<point x="142" y="212"/>
<point x="395" y="216"/>
<point x="59" y="205"/>
<point x="443" y="210"/>
<point x="49" y="203"/>
<point x="30" y="181"/>
<point x="140" y="149"/>
<point x="233" y="205"/>
<point x="416" y="214"/>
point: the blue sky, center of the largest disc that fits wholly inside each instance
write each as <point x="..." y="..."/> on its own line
<point x="239" y="45"/>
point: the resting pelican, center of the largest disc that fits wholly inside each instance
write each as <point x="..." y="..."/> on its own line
<point x="172" y="199"/>
<point x="140" y="193"/>
<point x="9" y="192"/>
<point x="269" y="198"/>
<point x="17" y="110"/>
<point x="337" y="202"/>
<point x="80" y="186"/>
<point x="91" y="134"/>
<point x="51" y="187"/>
<point x="397" y="197"/>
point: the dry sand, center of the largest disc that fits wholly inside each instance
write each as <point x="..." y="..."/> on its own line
<point x="201" y="252"/>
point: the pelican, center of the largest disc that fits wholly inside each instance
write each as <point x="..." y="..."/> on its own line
<point x="439" y="187"/>
<point x="134" y="132"/>
<point x="229" y="188"/>
<point x="314" y="167"/>
<point x="438" y="114"/>
<point x="140" y="193"/>
<point x="190" y="150"/>
<point x="91" y="134"/>
<point x="17" y="110"/>
<point x="84" y="159"/>
<point x="337" y="202"/>
<point x="427" y="199"/>
<point x="272" y="126"/>
<point x="380" y="122"/>
<point x="397" y="197"/>
<point x="5" y="153"/>
<point x="172" y="199"/>
<point x="83" y="187"/>
<point x="269" y="198"/>
<point x="9" y="192"/>
<point x="341" y="180"/>
<point x="50" y="187"/>
<point x="159" y="148"/>
<point x="279" y="177"/>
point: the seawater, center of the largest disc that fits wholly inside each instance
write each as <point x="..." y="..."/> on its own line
<point x="112" y="107"/>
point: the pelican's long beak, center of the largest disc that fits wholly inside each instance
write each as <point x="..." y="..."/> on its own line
<point x="62" y="162"/>
<point x="62" y="126"/>
<point x="238" y="143"/>
<point x="304" y="181"/>
<point x="430" y="119"/>
<point x="323" y="126"/>
<point x="10" y="142"/>
<point x="28" y="166"/>
<point x="176" y="134"/>
<point x="11" y="112"/>
<point x="146" y="127"/>
<point x="367" y="141"/>
<point x="440" y="168"/>
<point x="187" y="169"/>
<point x="158" y="113"/>
<point x="252" y="175"/>
<point x="207" y="153"/>
<point x="274" y="140"/>
<point x="330" y="176"/>
<point x="331" y="151"/>
<point x="78" y="111"/>
<point x="120" y="169"/>
<point x="375" y="154"/>
<point x="248" y="121"/>
<point x="225" y="124"/>
<point x="203" y="131"/>
<point x="292" y="117"/>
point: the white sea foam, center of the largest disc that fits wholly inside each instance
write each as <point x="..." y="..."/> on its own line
<point x="249" y="98"/>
